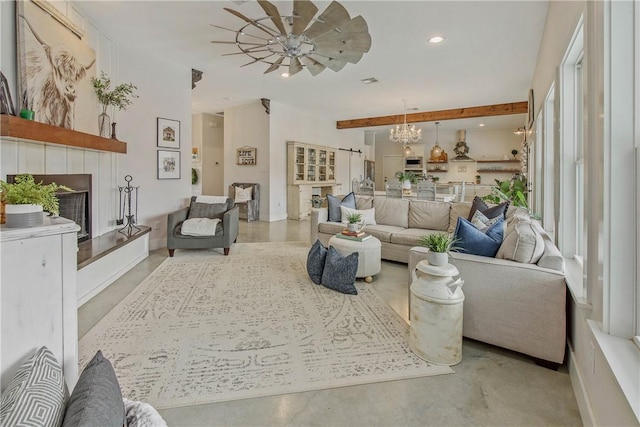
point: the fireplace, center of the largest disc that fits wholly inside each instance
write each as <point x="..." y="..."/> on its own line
<point x="75" y="205"/>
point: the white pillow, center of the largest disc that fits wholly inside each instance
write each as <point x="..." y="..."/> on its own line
<point x="368" y="215"/>
<point x="522" y="244"/>
<point x="243" y="194"/>
<point x="199" y="227"/>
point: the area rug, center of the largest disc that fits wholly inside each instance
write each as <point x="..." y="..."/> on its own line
<point x="206" y="328"/>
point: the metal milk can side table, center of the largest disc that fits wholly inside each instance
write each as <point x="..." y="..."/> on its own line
<point x="436" y="314"/>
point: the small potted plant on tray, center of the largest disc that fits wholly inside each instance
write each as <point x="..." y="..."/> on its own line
<point x="439" y="245"/>
<point x="25" y="200"/>
<point x="354" y="222"/>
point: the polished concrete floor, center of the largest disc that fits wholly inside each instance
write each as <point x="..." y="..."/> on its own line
<point x="491" y="386"/>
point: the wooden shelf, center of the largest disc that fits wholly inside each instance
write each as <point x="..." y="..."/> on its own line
<point x="499" y="170"/>
<point x="17" y="127"/>
<point x="498" y="161"/>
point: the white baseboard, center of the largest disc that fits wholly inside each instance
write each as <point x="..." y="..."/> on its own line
<point x="580" y="391"/>
<point x="95" y="277"/>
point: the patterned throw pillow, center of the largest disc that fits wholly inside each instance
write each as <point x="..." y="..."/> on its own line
<point x="482" y="222"/>
<point x="315" y="262"/>
<point x="472" y="241"/>
<point x="96" y="399"/>
<point x="37" y="393"/>
<point x="340" y="272"/>
<point x="349" y="201"/>
<point x="243" y="194"/>
<point x="489" y="212"/>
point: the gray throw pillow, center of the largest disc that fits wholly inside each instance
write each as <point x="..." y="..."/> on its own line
<point x="96" y="400"/>
<point x="334" y="203"/>
<point x="208" y="210"/>
<point x="315" y="262"/>
<point x="37" y="393"/>
<point x="340" y="272"/>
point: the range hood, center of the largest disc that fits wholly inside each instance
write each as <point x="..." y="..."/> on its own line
<point x="462" y="149"/>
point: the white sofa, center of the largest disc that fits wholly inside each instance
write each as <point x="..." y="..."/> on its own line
<point x="514" y="305"/>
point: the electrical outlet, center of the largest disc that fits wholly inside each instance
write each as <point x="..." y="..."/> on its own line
<point x="156" y="225"/>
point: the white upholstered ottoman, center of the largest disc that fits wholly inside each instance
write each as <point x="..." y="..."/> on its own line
<point x="368" y="258"/>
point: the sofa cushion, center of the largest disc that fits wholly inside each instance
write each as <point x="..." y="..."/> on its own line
<point x="410" y="236"/>
<point x="96" y="399"/>
<point x="458" y="209"/>
<point x="334" y="204"/>
<point x="472" y="241"/>
<point x="489" y="211"/>
<point x="340" y="272"/>
<point x="429" y="215"/>
<point x="364" y="202"/>
<point x="383" y="232"/>
<point x="368" y="215"/>
<point x="331" y="227"/>
<point x="551" y="257"/>
<point x="392" y="212"/>
<point x="316" y="258"/>
<point x="522" y="244"/>
<point x="37" y="393"/>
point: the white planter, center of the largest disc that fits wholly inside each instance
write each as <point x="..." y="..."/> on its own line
<point x="437" y="258"/>
<point x="406" y="185"/>
<point x="21" y="216"/>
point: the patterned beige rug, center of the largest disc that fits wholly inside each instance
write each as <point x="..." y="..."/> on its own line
<point x="206" y="328"/>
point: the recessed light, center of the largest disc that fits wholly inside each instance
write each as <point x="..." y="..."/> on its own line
<point x="285" y="74"/>
<point x="481" y="124"/>
<point x="369" y="80"/>
<point x="436" y="39"/>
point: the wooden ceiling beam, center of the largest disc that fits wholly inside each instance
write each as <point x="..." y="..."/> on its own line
<point x="434" y="116"/>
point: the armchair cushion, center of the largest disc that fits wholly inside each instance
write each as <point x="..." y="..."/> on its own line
<point x="208" y="210"/>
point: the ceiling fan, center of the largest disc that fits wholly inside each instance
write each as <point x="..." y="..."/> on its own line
<point x="300" y="40"/>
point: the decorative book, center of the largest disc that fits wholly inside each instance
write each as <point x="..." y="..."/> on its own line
<point x="353" y="233"/>
<point x="356" y="238"/>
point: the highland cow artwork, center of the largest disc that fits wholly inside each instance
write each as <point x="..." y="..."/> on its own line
<point x="55" y="67"/>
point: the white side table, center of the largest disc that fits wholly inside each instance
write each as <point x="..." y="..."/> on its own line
<point x="436" y="314"/>
<point x="369" y="252"/>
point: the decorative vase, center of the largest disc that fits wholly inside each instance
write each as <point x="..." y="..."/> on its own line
<point x="20" y="216"/>
<point x="113" y="130"/>
<point x="437" y="258"/>
<point x="104" y="125"/>
<point x="354" y="228"/>
<point x="406" y="185"/>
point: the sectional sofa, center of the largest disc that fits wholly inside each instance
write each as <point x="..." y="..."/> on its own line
<point x="515" y="305"/>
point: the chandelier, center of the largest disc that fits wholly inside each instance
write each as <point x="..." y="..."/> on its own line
<point x="405" y="134"/>
<point x="302" y="39"/>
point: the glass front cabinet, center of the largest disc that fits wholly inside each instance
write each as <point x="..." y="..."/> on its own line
<point x="310" y="164"/>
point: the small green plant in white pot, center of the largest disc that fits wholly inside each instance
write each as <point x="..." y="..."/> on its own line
<point x="26" y="200"/>
<point x="439" y="245"/>
<point x="354" y="222"/>
<point x="406" y="178"/>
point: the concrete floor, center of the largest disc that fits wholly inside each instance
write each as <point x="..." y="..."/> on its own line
<point x="491" y="386"/>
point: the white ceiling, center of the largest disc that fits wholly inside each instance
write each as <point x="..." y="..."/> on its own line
<point x="488" y="56"/>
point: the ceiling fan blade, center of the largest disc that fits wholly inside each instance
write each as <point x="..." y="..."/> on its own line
<point x="329" y="62"/>
<point x="250" y="21"/>
<point x="274" y="14"/>
<point x="342" y="55"/>
<point x="245" y="52"/>
<point x="236" y="31"/>
<point x="353" y="35"/>
<point x="294" y="66"/>
<point x="275" y="65"/>
<point x="312" y="65"/>
<point x="334" y="15"/>
<point x="256" y="60"/>
<point x="228" y="42"/>
<point x="303" y="13"/>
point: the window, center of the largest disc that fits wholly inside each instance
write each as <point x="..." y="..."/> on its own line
<point x="578" y="147"/>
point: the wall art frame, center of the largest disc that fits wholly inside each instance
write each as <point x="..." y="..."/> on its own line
<point x="168" y="164"/>
<point x="6" y="102"/>
<point x="246" y="156"/>
<point x="55" y="67"/>
<point x="168" y="133"/>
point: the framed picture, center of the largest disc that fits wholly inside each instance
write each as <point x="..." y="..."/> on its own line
<point x="168" y="133"/>
<point x="51" y="53"/>
<point x="246" y="156"/>
<point x="168" y="164"/>
<point x="6" y="103"/>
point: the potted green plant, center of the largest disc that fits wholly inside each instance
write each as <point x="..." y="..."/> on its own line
<point x="439" y="245"/>
<point x="435" y="179"/>
<point x="316" y="201"/>
<point x="354" y="222"/>
<point x="26" y="200"/>
<point x="514" y="189"/>
<point x="406" y="178"/>
<point x="118" y="97"/>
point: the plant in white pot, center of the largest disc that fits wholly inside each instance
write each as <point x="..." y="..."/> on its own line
<point x="406" y="178"/>
<point x="26" y="200"/>
<point x="439" y="245"/>
<point x="354" y="222"/>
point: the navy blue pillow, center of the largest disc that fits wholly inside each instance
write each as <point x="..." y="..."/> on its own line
<point x="349" y="201"/>
<point x="472" y="241"/>
<point x="315" y="261"/>
<point x="340" y="272"/>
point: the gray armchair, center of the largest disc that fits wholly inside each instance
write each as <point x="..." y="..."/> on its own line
<point x="226" y="231"/>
